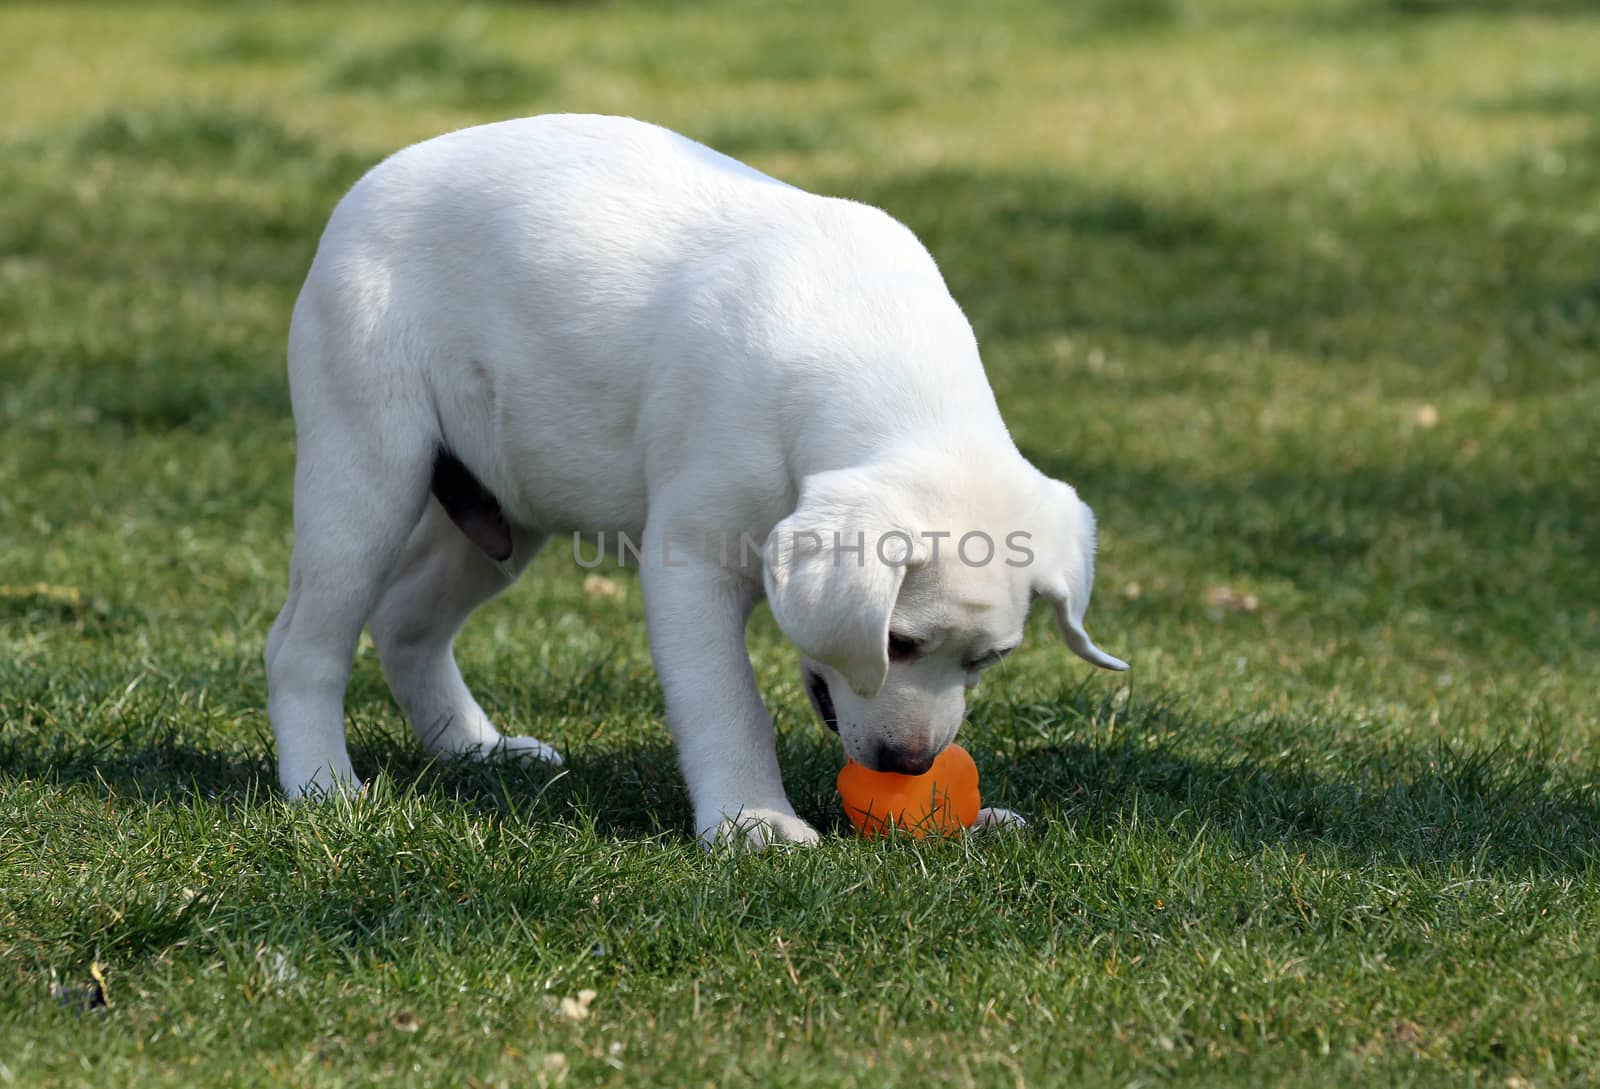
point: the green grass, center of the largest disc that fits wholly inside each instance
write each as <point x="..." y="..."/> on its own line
<point x="1304" y="297"/>
<point x="433" y="68"/>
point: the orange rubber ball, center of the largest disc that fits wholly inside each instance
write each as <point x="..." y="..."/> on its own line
<point x="941" y="801"/>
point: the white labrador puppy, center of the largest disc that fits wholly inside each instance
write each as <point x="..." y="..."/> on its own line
<point x="588" y="324"/>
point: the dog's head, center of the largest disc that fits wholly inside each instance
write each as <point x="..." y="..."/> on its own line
<point x="901" y="582"/>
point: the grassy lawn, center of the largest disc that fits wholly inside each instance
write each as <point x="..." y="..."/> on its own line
<point x="1303" y="296"/>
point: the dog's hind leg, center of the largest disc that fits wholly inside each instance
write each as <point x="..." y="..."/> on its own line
<point x="361" y="479"/>
<point x="441" y="577"/>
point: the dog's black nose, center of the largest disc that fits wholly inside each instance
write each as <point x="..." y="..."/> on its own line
<point x="904" y="760"/>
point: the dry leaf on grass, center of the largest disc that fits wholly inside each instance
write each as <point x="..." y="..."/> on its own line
<point x="600" y="586"/>
<point x="553" y="1068"/>
<point x="1225" y="599"/>
<point x="577" y="1009"/>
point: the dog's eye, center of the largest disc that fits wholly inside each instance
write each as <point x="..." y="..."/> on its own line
<point x="903" y="648"/>
<point x="994" y="657"/>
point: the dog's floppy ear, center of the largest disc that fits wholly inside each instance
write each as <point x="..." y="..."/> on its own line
<point x="1071" y="580"/>
<point x="831" y="587"/>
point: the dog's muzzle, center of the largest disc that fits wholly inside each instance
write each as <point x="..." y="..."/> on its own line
<point x="822" y="700"/>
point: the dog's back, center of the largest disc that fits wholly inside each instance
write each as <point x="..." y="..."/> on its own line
<point x="586" y="275"/>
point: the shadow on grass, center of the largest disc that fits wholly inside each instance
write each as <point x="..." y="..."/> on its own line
<point x="32" y="606"/>
<point x="1040" y="253"/>
<point x="1499" y="560"/>
<point x="1386" y="17"/>
<point x="151" y="771"/>
<point x="1506" y="809"/>
<point x="1545" y="99"/>
<point x="1512" y="8"/>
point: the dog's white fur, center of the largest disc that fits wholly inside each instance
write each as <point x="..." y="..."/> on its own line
<point x="619" y="330"/>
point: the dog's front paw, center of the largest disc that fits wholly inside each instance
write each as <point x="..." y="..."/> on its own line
<point x="756" y="828"/>
<point x="996" y="819"/>
<point x="515" y="750"/>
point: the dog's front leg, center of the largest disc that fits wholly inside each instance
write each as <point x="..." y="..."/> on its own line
<point x="696" y="613"/>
